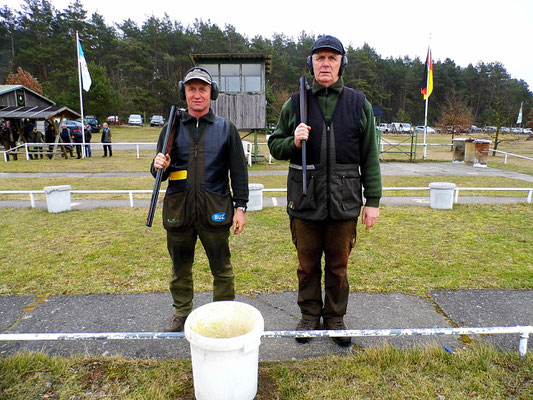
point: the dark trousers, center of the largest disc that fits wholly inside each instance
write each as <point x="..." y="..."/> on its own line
<point x="334" y="240"/>
<point x="9" y="145"/>
<point x="181" y="247"/>
<point x="106" y="148"/>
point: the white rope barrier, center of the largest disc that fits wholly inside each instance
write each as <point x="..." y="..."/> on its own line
<point x="523" y="331"/>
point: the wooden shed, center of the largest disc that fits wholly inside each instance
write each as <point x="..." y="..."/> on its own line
<point x="241" y="79"/>
<point x="19" y="104"/>
<point x="21" y="96"/>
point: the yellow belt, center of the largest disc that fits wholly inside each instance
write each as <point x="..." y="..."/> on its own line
<point x="178" y="175"/>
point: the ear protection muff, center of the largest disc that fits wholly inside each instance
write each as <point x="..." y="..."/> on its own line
<point x="214" y="86"/>
<point x="309" y="63"/>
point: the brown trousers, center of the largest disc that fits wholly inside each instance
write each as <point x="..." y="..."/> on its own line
<point x="334" y="239"/>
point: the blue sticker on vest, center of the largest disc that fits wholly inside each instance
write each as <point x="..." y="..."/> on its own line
<point x="219" y="217"/>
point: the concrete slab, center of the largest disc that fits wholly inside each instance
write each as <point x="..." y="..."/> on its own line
<point x="473" y="308"/>
<point x="365" y="311"/>
<point x="13" y="308"/>
<point x="100" y="313"/>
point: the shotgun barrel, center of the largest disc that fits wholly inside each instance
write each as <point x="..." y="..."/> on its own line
<point x="167" y="146"/>
<point x="303" y="119"/>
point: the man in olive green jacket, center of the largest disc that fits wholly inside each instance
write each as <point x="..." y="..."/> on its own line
<point x="342" y="166"/>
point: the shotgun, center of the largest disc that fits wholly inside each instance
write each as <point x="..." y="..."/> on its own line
<point x="303" y="119"/>
<point x="167" y="146"/>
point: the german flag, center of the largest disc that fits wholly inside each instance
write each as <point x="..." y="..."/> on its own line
<point x="427" y="83"/>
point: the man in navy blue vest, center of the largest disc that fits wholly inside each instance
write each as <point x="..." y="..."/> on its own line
<point x="342" y="160"/>
<point x="198" y="200"/>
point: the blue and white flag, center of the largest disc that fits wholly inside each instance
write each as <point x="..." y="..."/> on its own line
<point x="85" y="76"/>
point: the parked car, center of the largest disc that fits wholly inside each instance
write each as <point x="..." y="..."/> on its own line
<point x="505" y="129"/>
<point x="527" y="131"/>
<point x="489" y="128"/>
<point x="135" y="119"/>
<point x="93" y="123"/>
<point x="114" y="120"/>
<point x="405" y="127"/>
<point x="383" y="127"/>
<point x="456" y="129"/>
<point x="420" y="129"/>
<point x="157" y="120"/>
<point x="474" y="128"/>
<point x="517" y="130"/>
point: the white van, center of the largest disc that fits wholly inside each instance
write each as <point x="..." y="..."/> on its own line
<point x="135" y="119"/>
<point x="405" y="128"/>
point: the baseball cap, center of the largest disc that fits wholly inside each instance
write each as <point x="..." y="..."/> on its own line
<point x="328" y="42"/>
<point x="198" y="73"/>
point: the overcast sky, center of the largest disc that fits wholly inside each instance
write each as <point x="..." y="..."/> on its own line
<point x="466" y="31"/>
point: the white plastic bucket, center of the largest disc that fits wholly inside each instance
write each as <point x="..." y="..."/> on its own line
<point x="441" y="195"/>
<point x="255" y="202"/>
<point x="225" y="368"/>
<point x="58" y="198"/>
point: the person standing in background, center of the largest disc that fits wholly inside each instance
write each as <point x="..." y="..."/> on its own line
<point x="106" y="140"/>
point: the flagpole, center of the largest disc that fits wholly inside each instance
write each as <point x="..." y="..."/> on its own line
<point x="81" y="95"/>
<point x="426" y="115"/>
<point x="429" y="59"/>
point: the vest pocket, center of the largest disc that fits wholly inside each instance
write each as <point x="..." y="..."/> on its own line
<point x="296" y="201"/>
<point x="218" y="210"/>
<point x="350" y="187"/>
<point x="175" y="214"/>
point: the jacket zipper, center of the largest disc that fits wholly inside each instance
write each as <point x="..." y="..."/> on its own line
<point x="328" y="167"/>
<point x="196" y="172"/>
<point x="328" y="145"/>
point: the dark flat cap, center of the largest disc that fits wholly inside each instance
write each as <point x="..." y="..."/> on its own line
<point x="328" y="42"/>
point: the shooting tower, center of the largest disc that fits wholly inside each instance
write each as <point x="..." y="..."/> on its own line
<point x="241" y="79"/>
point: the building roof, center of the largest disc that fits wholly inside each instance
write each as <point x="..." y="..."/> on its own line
<point x="37" y="112"/>
<point x="266" y="57"/>
<point x="11" y="88"/>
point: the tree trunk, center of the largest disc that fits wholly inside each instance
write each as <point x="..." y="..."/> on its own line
<point x="496" y="141"/>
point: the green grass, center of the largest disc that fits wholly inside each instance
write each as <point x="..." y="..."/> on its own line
<point x="477" y="372"/>
<point x="412" y="250"/>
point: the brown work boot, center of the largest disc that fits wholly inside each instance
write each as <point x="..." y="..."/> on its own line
<point x="176" y="324"/>
<point x="343" y="341"/>
<point x="306" y="324"/>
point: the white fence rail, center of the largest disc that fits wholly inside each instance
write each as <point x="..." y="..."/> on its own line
<point x="510" y="154"/>
<point x="425" y="146"/>
<point x="31" y="148"/>
<point x="32" y="193"/>
<point x="152" y="146"/>
<point x="131" y="193"/>
<point x="529" y="190"/>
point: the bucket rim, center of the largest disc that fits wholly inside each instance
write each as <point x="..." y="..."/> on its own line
<point x="442" y="185"/>
<point x="246" y="340"/>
